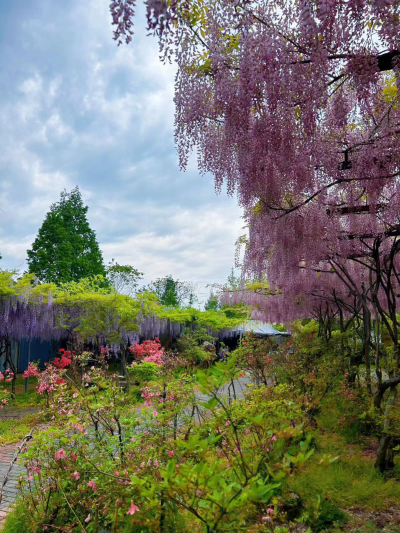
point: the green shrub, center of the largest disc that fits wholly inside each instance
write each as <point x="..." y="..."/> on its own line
<point x="144" y="371"/>
<point x="329" y="515"/>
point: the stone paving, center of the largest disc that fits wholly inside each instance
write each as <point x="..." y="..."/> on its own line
<point x="7" y="452"/>
<point x="10" y="490"/>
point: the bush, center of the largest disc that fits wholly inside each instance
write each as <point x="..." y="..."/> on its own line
<point x="191" y="347"/>
<point x="329" y="515"/>
<point x="144" y="371"/>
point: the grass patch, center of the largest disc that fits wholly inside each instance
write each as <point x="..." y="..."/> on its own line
<point x="22" y="398"/>
<point x="17" y="521"/>
<point x="25" y="399"/>
<point x="15" y="430"/>
<point x="350" y="481"/>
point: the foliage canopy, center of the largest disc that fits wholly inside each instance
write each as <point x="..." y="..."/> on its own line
<point x="66" y="248"/>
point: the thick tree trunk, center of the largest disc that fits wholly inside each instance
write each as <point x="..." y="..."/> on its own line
<point x="384" y="457"/>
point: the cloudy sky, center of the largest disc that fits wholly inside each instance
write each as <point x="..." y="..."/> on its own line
<point x="75" y="109"/>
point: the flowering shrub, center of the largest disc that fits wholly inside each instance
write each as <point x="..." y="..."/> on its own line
<point x="4" y="394"/>
<point x="149" y="351"/>
<point x="104" y="464"/>
<point x="64" y="361"/>
<point x="256" y="355"/>
<point x="32" y="371"/>
<point x="8" y="375"/>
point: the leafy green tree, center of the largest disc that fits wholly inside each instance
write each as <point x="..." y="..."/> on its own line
<point x="66" y="248"/>
<point x="123" y="278"/>
<point x="173" y="293"/>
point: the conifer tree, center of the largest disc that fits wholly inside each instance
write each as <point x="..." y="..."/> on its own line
<point x="66" y="248"/>
<point x="212" y="304"/>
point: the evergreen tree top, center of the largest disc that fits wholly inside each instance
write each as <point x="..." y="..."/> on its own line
<point x="66" y="248"/>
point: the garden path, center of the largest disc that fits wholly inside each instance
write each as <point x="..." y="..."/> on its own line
<point x="235" y="390"/>
<point x="10" y="490"/>
<point x="7" y="452"/>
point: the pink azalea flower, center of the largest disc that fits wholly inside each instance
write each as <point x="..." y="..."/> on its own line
<point x="92" y="484"/>
<point x="133" y="509"/>
<point x="273" y="437"/>
<point x="171" y="453"/>
<point x="87" y="519"/>
<point x="60" y="454"/>
<point x="155" y="413"/>
<point x="247" y="431"/>
<point x="228" y="423"/>
<point x="270" y="510"/>
<point x="75" y="475"/>
<point x="266" y="519"/>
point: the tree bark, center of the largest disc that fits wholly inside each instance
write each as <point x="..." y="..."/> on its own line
<point x="384" y="456"/>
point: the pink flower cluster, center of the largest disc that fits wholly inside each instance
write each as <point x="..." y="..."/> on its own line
<point x="149" y="351"/>
<point x="32" y="370"/>
<point x="9" y="375"/>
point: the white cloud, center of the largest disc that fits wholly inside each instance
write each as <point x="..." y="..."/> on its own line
<point x="201" y="249"/>
<point x="81" y="111"/>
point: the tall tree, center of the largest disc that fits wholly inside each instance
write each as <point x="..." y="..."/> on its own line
<point x="66" y="248"/>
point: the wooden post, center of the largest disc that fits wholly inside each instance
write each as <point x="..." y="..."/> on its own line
<point x="29" y="358"/>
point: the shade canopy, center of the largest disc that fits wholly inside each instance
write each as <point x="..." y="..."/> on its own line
<point x="256" y="326"/>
